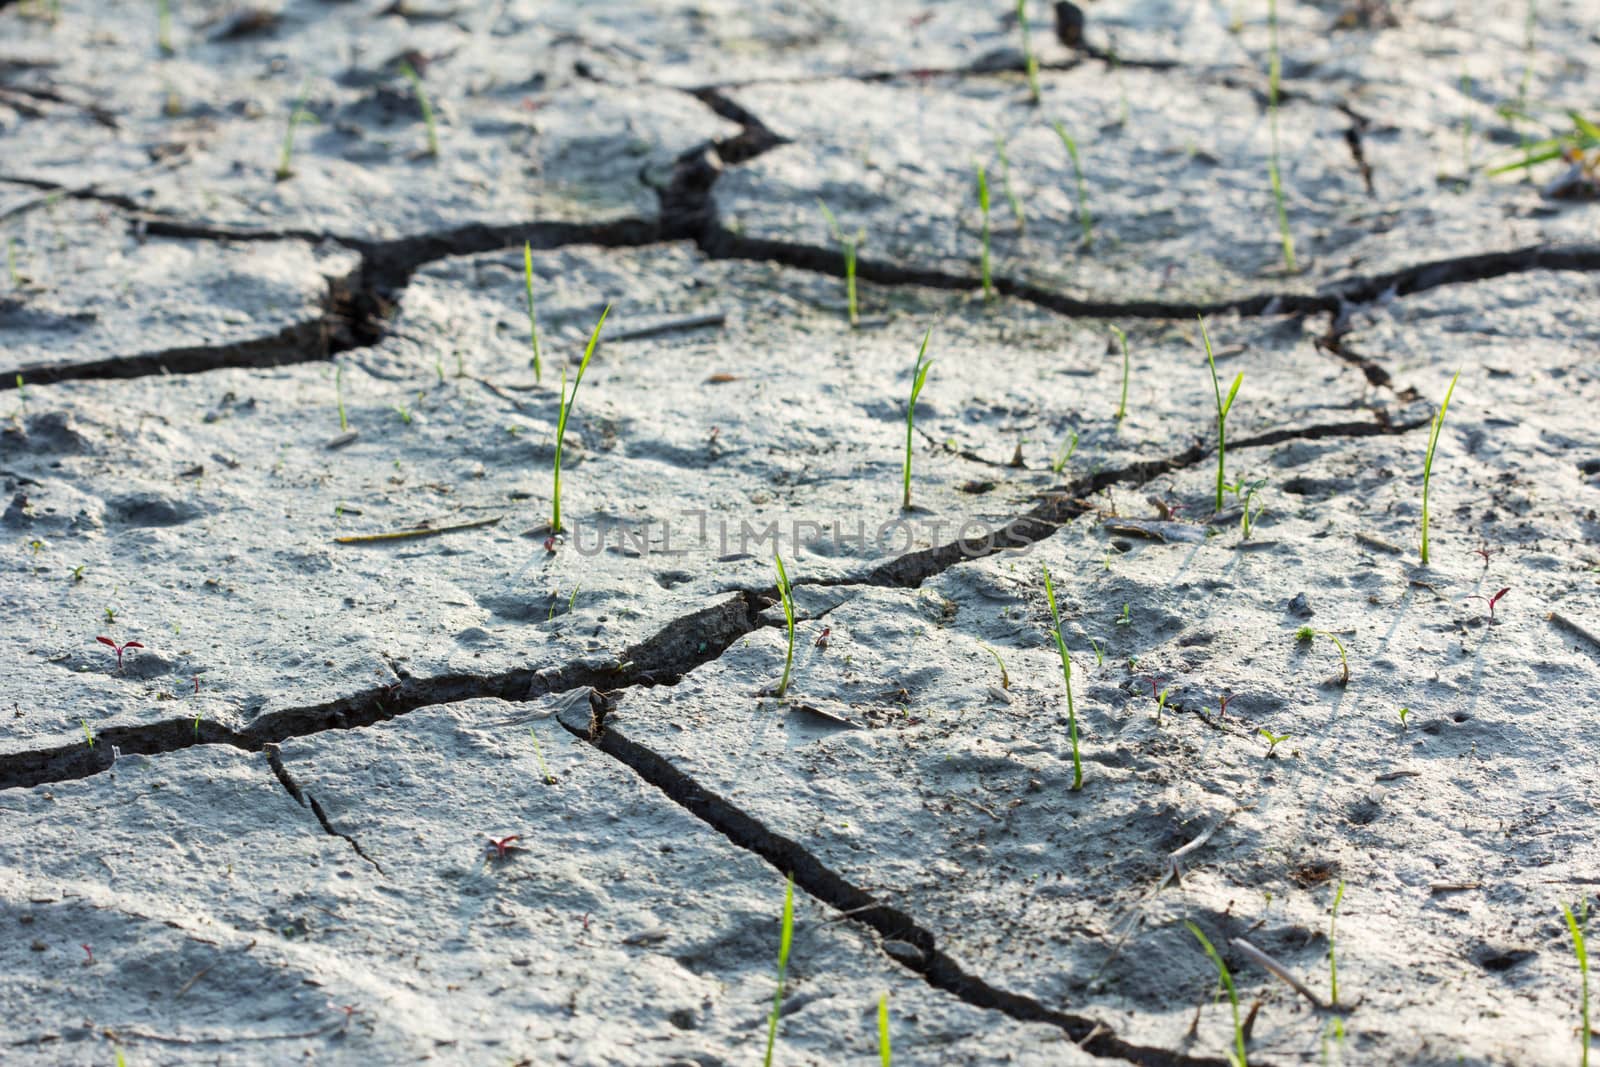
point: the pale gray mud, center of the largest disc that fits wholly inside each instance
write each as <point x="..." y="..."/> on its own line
<point x="321" y="746"/>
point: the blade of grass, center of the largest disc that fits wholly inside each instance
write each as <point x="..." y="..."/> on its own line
<point x="786" y="938"/>
<point x="1029" y="60"/>
<point x="1084" y="221"/>
<point x="1005" y="184"/>
<point x="1333" y="963"/>
<point x="1066" y="674"/>
<point x="847" y="247"/>
<point x="533" y="315"/>
<point x="538" y="754"/>
<point x="1223" y="407"/>
<point x="1274" y="73"/>
<point x="1238" y="1055"/>
<point x="1581" y="951"/>
<point x="415" y="79"/>
<point x="885" y="1055"/>
<point x="919" y="376"/>
<point x="285" y="169"/>
<point x="566" y="413"/>
<point x="983" y="210"/>
<point x="1427" y="460"/>
<point x="1122" y="338"/>
<point x="786" y="593"/>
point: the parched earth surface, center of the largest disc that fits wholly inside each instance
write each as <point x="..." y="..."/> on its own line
<point x="318" y="747"/>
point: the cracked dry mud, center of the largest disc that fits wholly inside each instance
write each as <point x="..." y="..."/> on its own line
<point x="266" y="834"/>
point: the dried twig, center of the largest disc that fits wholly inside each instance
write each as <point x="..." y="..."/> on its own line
<point x="421" y="531"/>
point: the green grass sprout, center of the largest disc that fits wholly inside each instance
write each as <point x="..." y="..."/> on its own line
<point x="1427" y="460"/>
<point x="566" y="413"/>
<point x="1237" y="1057"/>
<point x="848" y="245"/>
<point x="538" y="754"/>
<point x="1305" y="635"/>
<point x="1333" y="963"/>
<point x="1005" y="184"/>
<point x="1274" y="73"/>
<point x="1574" y="146"/>
<point x="88" y="735"/>
<point x="785" y="939"/>
<point x="1273" y="740"/>
<point x="1122" y="338"/>
<point x="1161" y="703"/>
<point x="919" y="377"/>
<point x="1223" y="407"/>
<point x="164" y="27"/>
<point x="885" y="1055"/>
<point x="1085" y="223"/>
<point x="285" y="169"/>
<point x="983" y="211"/>
<point x="1246" y="493"/>
<point x="415" y="79"/>
<point x="1575" y="927"/>
<point x="1005" y="676"/>
<point x="1066" y="674"/>
<point x="11" y="263"/>
<point x="533" y="315"/>
<point x="786" y="593"/>
<point x="1030" y="61"/>
<point x="338" y="396"/>
<point x="1064" y="453"/>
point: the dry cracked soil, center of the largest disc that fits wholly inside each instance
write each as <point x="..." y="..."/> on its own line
<point x="322" y="746"/>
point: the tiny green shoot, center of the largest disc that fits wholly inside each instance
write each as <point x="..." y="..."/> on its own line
<point x="1099" y="657"/>
<point x="1005" y="676"/>
<point x="1161" y="703"/>
<point x="1085" y="222"/>
<point x="983" y="211"/>
<point x="1246" y="493"/>
<point x="1575" y="927"/>
<point x="533" y="315"/>
<point x="1064" y="453"/>
<point x="77" y="572"/>
<point x="1005" y="184"/>
<point x="1333" y="963"/>
<point x="1273" y="740"/>
<point x="1066" y="674"/>
<point x="1405" y="713"/>
<point x="538" y="754"/>
<point x="285" y="169"/>
<point x="1030" y="61"/>
<point x="566" y="413"/>
<point x="919" y="376"/>
<point x="338" y="396"/>
<point x="1122" y="408"/>
<point x="1427" y="460"/>
<point x="1237" y="1057"/>
<point x="402" y="411"/>
<point x="111" y="616"/>
<point x="848" y="244"/>
<point x="164" y="27"/>
<point x="785" y="939"/>
<point x="885" y="1056"/>
<point x="87" y="733"/>
<point x="415" y="79"/>
<point x="1274" y="73"/>
<point x="786" y="593"/>
<point x="1126" y="618"/>
<point x="1223" y="407"/>
<point x="1305" y="635"/>
<point x="11" y="266"/>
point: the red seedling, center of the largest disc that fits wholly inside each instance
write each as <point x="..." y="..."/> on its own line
<point x="502" y="845"/>
<point x="90" y="952"/>
<point x="822" y="638"/>
<point x="1155" y="689"/>
<point x="1485" y="552"/>
<point x="1491" y="600"/>
<point x="550" y="544"/>
<point x="197" y="683"/>
<point x="350" y="1011"/>
<point x="119" y="649"/>
<point x="1223" y="700"/>
<point x="586" y="922"/>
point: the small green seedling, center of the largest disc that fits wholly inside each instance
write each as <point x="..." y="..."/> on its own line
<point x="538" y="754"/>
<point x="402" y="411"/>
<point x="1274" y="73"/>
<point x="885" y="1056"/>
<point x="88" y="735"/>
<point x="1005" y="676"/>
<point x="415" y="79"/>
<point x="1126" y="618"/>
<point x="164" y="27"/>
<point x="1005" y="184"/>
<point x="848" y="245"/>
<point x="1575" y="926"/>
<point x="77" y="572"/>
<point x="1273" y="740"/>
<point x="1405" y="713"/>
<point x="1427" y="460"/>
<point x="1223" y="407"/>
<point x="1122" y="338"/>
<point x="1161" y="703"/>
<point x="1237" y="1056"/>
<point x="111" y="616"/>
<point x="14" y="274"/>
<point x="1573" y="147"/>
<point x="1030" y="61"/>
<point x="566" y="413"/>
<point x="285" y="169"/>
<point x="1085" y="222"/>
<point x="786" y="593"/>
<point x="785" y="939"/>
<point x="1066" y="674"/>
<point x="1305" y="635"/>
<point x="983" y="212"/>
<point x="919" y="377"/>
<point x="1099" y="657"/>
<point x="1246" y="493"/>
<point x="533" y="315"/>
<point x="338" y="396"/>
<point x="1064" y="453"/>
<point x="1333" y="963"/>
